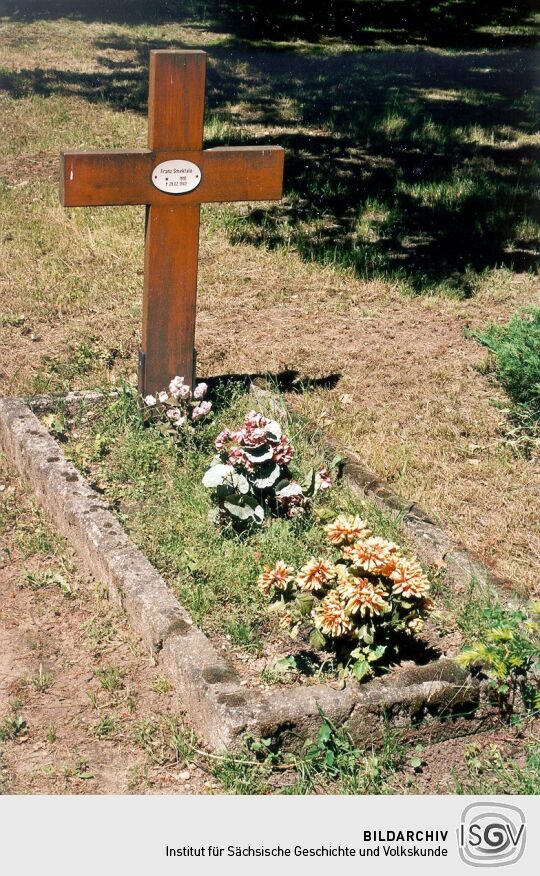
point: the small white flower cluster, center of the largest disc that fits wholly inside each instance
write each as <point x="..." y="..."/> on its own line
<point x="179" y="405"/>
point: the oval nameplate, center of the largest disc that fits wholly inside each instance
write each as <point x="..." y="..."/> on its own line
<point x="176" y="176"/>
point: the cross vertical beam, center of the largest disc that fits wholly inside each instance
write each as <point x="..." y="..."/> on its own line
<point x="173" y="177"/>
<point x="175" y="120"/>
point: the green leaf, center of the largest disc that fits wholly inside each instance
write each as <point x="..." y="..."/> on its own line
<point x="217" y="475"/>
<point x="309" y="483"/>
<point x="375" y="654"/>
<point x="360" y="669"/>
<point x="329" y="758"/>
<point x="257" y="455"/>
<point x="266" y="476"/>
<point x="416" y="763"/>
<point x="316" y="640"/>
<point x="324" y="734"/>
<point x="273" y="430"/>
<point x="305" y="603"/>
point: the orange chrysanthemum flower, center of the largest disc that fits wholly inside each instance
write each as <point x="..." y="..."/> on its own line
<point x="363" y="597"/>
<point x="330" y="616"/>
<point x="279" y="578"/>
<point x="315" y="575"/>
<point x="409" y="580"/>
<point x="374" y="555"/>
<point x="345" y="529"/>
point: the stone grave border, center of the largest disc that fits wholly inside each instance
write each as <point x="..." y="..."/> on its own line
<point x="435" y="701"/>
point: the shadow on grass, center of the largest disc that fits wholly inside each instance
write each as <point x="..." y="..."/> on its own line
<point x="411" y="166"/>
<point x="449" y="23"/>
<point x="224" y="386"/>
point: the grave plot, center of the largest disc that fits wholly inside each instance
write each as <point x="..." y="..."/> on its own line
<point x="357" y="654"/>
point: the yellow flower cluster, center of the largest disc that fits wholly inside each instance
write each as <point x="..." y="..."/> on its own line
<point x="370" y="579"/>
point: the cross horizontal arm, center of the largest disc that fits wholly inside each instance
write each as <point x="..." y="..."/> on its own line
<point x="107" y="178"/>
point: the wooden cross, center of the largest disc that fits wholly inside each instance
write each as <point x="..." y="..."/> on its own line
<point x="173" y="177"/>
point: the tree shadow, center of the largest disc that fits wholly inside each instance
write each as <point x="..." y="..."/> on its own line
<point x="413" y="166"/>
<point x="449" y="23"/>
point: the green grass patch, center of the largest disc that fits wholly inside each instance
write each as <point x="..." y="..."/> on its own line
<point x="515" y="349"/>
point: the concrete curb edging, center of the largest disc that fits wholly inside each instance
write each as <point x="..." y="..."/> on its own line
<point x="439" y="698"/>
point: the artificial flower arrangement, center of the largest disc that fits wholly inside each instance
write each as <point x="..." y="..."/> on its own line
<point x="354" y="603"/>
<point x="177" y="408"/>
<point x="250" y="476"/>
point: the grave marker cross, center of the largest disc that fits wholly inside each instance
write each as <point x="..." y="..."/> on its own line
<point x="173" y="177"/>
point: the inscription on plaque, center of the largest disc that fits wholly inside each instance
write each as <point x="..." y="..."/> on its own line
<point x="176" y="177"/>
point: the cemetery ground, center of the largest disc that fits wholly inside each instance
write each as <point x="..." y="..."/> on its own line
<point x="407" y="223"/>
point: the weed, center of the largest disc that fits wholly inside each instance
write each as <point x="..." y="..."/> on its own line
<point x="506" y="650"/>
<point x="79" y="770"/>
<point x="162" y="739"/>
<point x="12" y="727"/>
<point x="489" y="772"/>
<point x="43" y="680"/>
<point x="161" y="685"/>
<point x="516" y="349"/>
<point x="110" y="678"/>
<point x="105" y="728"/>
<point x="51" y="735"/>
<point x="48" y="578"/>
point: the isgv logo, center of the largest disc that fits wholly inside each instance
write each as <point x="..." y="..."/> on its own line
<point x="491" y="834"/>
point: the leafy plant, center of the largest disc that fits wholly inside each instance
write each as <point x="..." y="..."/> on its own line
<point x="508" y="654"/>
<point x="356" y="604"/>
<point x="48" y="578"/>
<point x="516" y="348"/>
<point x="250" y="476"/>
<point x="12" y="727"/>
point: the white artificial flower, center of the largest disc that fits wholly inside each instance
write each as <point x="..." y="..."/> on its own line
<point x="201" y="410"/>
<point x="200" y="390"/>
<point x="163" y="396"/>
<point x="150" y="401"/>
<point x="175" y="387"/>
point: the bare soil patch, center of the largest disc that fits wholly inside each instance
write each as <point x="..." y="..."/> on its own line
<point x="68" y="642"/>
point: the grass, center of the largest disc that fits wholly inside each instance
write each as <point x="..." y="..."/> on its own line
<point x="156" y="488"/>
<point x="490" y="772"/>
<point x="515" y="348"/>
<point x="330" y="763"/>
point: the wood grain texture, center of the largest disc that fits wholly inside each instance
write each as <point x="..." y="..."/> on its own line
<point x="170" y="293"/>
<point x="99" y="179"/>
<point x="176" y="99"/>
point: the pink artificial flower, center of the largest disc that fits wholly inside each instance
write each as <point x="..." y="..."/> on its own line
<point x="237" y="457"/>
<point x="222" y="439"/>
<point x="283" y="452"/>
<point x="201" y="410"/>
<point x="254" y="420"/>
<point x="325" y="479"/>
<point x="200" y="390"/>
